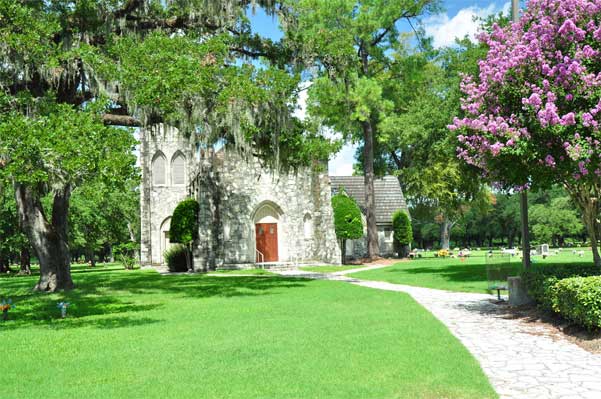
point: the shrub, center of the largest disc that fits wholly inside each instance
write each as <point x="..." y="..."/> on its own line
<point x="579" y="299"/>
<point x="184" y="222"/>
<point x="184" y="227"/>
<point x="347" y="217"/>
<point x="542" y="278"/>
<point x="403" y="232"/>
<point x="347" y="220"/>
<point x="126" y="254"/>
<point x="175" y="257"/>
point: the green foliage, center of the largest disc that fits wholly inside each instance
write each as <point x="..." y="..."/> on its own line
<point x="62" y="146"/>
<point x="401" y="224"/>
<point x="554" y="221"/>
<point x="541" y="279"/>
<point x="579" y="299"/>
<point x="12" y="239"/>
<point x="126" y="254"/>
<point x="347" y="217"/>
<point x="184" y="222"/>
<point x="103" y="214"/>
<point x="175" y="258"/>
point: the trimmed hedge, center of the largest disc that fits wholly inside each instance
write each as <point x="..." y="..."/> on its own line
<point x="541" y="279"/>
<point x="579" y="299"/>
<point x="347" y="217"/>
<point x="571" y="290"/>
<point x="401" y="224"/>
<point x="175" y="257"/>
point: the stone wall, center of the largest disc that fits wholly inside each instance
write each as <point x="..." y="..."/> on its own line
<point x="232" y="192"/>
<point x="357" y="249"/>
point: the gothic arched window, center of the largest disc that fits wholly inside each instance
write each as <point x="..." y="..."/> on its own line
<point x="159" y="170"/>
<point x="308" y="226"/>
<point x="178" y="170"/>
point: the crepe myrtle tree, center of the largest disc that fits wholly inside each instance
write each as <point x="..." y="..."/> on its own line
<point x="184" y="227"/>
<point x="347" y="220"/>
<point x="533" y="113"/>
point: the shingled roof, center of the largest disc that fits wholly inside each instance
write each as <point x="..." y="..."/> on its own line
<point x="388" y="194"/>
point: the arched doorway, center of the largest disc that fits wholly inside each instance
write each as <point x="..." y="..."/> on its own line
<point x="266" y="221"/>
<point x="165" y="244"/>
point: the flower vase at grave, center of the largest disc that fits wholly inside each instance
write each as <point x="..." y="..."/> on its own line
<point x="63" y="308"/>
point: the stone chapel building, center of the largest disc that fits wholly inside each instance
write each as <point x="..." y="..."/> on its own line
<point x="248" y="214"/>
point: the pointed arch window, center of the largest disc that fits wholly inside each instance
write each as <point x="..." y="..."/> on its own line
<point x="308" y="226"/>
<point x="159" y="170"/>
<point x="178" y="170"/>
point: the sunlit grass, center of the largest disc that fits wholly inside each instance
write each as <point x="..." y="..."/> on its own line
<point x="139" y="334"/>
<point x="456" y="274"/>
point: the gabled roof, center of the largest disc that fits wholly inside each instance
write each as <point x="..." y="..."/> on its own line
<point x="388" y="194"/>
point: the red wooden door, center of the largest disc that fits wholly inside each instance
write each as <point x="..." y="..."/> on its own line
<point x="267" y="241"/>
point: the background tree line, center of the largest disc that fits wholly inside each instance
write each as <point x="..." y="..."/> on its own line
<point x="101" y="217"/>
<point x="554" y="220"/>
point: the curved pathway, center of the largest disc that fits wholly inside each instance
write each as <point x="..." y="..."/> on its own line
<point x="521" y="360"/>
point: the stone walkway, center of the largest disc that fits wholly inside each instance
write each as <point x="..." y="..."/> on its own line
<point x="521" y="360"/>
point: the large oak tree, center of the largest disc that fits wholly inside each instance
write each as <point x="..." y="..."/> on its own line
<point x="70" y="70"/>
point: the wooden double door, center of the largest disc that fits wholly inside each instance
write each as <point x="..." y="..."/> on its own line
<point x="267" y="241"/>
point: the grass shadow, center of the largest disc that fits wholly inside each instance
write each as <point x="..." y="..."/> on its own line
<point x="111" y="298"/>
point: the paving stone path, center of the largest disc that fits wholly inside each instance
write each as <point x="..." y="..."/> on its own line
<point x="521" y="360"/>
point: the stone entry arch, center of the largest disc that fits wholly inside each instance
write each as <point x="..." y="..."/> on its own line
<point x="164" y="241"/>
<point x="266" y="219"/>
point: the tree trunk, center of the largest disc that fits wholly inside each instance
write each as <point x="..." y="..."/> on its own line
<point x="49" y="240"/>
<point x="343" y="254"/>
<point x="91" y="259"/>
<point x="445" y="234"/>
<point x="373" y="245"/>
<point x="189" y="257"/>
<point x="25" y="261"/>
<point x="525" y="230"/>
<point x="587" y="199"/>
<point x="111" y="255"/>
<point x="590" y="214"/>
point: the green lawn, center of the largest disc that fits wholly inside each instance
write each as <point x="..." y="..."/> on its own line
<point x="453" y="274"/>
<point x="329" y="269"/>
<point x="139" y="334"/>
<point x="252" y="272"/>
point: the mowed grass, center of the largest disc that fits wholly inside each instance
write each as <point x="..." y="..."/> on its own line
<point x="329" y="269"/>
<point x="454" y="274"/>
<point x="141" y="335"/>
<point x="253" y="272"/>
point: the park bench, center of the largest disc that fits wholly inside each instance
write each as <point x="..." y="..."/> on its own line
<point x="498" y="268"/>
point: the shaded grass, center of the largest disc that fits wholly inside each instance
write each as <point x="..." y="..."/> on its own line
<point x="139" y="334"/>
<point x="453" y="274"/>
<point x="328" y="269"/>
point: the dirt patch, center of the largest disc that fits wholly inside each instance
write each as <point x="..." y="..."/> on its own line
<point x="552" y="325"/>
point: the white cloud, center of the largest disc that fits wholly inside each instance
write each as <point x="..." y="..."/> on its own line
<point x="445" y="30"/>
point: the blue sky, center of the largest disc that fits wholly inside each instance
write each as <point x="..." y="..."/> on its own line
<point x="455" y="21"/>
